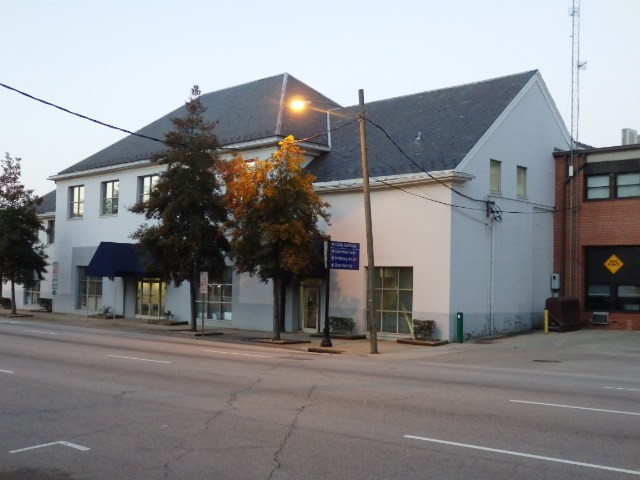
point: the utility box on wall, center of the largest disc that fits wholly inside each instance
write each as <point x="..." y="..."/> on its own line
<point x="555" y="281"/>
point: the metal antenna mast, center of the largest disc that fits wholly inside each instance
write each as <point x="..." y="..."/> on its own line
<point x="576" y="65"/>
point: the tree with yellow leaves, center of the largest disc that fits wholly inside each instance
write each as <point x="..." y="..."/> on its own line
<point x="274" y="219"/>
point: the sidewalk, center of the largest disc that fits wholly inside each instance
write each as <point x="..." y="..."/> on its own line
<point x="290" y="340"/>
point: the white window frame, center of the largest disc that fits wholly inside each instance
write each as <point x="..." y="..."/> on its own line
<point x="146" y="183"/>
<point x="109" y="196"/>
<point x="76" y="201"/>
<point x="521" y="181"/>
<point x="495" y="176"/>
<point x="51" y="232"/>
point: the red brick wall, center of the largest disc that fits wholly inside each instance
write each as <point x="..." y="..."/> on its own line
<point x="597" y="223"/>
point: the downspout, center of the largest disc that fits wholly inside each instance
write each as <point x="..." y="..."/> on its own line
<point x="491" y="281"/>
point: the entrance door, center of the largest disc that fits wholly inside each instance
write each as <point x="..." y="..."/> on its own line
<point x="309" y="307"/>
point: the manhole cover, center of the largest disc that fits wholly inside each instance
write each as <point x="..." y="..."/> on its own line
<point x="547" y="361"/>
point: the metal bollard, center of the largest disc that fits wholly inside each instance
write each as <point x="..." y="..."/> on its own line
<point x="460" y="327"/>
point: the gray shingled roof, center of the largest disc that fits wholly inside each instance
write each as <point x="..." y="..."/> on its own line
<point x="48" y="204"/>
<point x="436" y="129"/>
<point x="248" y="112"/>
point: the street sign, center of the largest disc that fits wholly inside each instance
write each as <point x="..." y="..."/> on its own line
<point x="204" y="282"/>
<point x="345" y="256"/>
<point x="613" y="264"/>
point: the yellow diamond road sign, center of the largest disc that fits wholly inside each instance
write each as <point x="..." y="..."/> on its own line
<point x="613" y="264"/>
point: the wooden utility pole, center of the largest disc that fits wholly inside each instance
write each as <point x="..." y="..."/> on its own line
<point x="371" y="312"/>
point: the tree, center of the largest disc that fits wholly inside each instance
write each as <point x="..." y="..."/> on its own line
<point x="22" y="255"/>
<point x="274" y="219"/>
<point x="186" y="205"/>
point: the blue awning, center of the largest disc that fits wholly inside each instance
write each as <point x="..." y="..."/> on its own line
<point x="119" y="260"/>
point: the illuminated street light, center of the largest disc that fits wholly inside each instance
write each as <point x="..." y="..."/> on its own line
<point x="299" y="105"/>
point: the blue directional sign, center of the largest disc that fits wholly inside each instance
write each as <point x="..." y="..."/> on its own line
<point x="345" y="256"/>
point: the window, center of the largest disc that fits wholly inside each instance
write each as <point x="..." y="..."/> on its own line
<point x="32" y="293"/>
<point x="217" y="301"/>
<point x="145" y="185"/>
<point x="495" y="175"/>
<point x="628" y="185"/>
<point x="150" y="298"/>
<point x="110" y="192"/>
<point x="394" y="299"/>
<point x="76" y="201"/>
<point x="51" y="232"/>
<point x="89" y="291"/>
<point x="522" y="181"/>
<point x="613" y="185"/>
<point x="597" y="187"/>
<point x="629" y="297"/>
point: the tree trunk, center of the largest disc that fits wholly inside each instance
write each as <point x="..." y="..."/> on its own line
<point x="277" y="285"/>
<point x="13" y="298"/>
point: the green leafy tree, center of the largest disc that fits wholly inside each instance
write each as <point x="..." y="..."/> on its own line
<point x="186" y="206"/>
<point x="22" y="255"/>
<point x="274" y="221"/>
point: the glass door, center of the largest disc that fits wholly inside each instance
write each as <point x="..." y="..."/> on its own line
<point x="310" y="307"/>
<point x="150" y="298"/>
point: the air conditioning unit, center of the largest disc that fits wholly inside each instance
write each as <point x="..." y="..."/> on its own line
<point x="600" y="318"/>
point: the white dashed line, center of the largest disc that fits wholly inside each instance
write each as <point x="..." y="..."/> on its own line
<point x="236" y="353"/>
<point x="40" y="331"/>
<point x="140" y="359"/>
<point x="574" y="407"/>
<point x="6" y="371"/>
<point x="625" y="389"/>
<point x="526" y="455"/>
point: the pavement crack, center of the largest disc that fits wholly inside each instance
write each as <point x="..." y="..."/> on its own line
<point x="292" y="427"/>
<point x="120" y="396"/>
<point x="229" y="404"/>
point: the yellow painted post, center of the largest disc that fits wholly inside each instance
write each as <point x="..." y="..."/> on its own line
<point x="546" y="321"/>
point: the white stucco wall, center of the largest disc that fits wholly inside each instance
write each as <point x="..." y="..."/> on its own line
<point x="78" y="238"/>
<point x="500" y="271"/>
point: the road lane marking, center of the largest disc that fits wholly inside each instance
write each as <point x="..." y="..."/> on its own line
<point x="526" y="455"/>
<point x="625" y="389"/>
<point x="140" y="359"/>
<point x="40" y="331"/>
<point x="576" y="408"/>
<point x="61" y="442"/>
<point x="6" y="371"/>
<point x="237" y="353"/>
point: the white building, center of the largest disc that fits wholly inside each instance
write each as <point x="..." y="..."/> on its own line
<point x="462" y="193"/>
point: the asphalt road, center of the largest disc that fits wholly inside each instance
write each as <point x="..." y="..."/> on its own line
<point x="79" y="403"/>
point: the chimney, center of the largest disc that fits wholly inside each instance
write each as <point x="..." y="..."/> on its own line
<point x="629" y="136"/>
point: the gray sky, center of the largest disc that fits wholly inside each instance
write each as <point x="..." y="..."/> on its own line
<point x="129" y="62"/>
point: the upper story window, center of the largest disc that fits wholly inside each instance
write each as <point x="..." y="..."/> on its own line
<point x="76" y="201"/>
<point x="597" y="186"/>
<point x="613" y="185"/>
<point x="51" y="232"/>
<point x="145" y="185"/>
<point x="495" y="176"/>
<point x="628" y="185"/>
<point x="522" y="181"/>
<point x="110" y="192"/>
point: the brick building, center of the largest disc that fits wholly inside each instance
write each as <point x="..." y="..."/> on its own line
<point x="597" y="233"/>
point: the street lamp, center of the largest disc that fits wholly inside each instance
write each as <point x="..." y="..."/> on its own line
<point x="299" y="105"/>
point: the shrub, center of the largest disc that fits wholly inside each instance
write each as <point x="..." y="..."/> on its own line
<point x="423" y="328"/>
